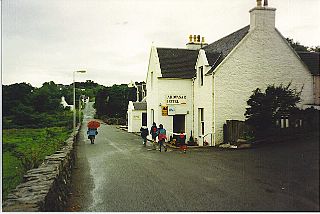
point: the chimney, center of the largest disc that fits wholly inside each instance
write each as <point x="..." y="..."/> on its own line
<point x="195" y="43"/>
<point x="262" y="17"/>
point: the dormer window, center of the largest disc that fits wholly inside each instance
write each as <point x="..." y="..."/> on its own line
<point x="200" y="75"/>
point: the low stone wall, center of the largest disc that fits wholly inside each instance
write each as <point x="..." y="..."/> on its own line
<point x="45" y="188"/>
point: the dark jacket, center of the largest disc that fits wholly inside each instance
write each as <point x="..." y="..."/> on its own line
<point x="144" y="132"/>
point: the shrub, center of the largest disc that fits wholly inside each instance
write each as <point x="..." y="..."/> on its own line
<point x="266" y="107"/>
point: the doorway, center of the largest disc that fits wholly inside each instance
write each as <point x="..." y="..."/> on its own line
<point x="144" y="119"/>
<point x="179" y="122"/>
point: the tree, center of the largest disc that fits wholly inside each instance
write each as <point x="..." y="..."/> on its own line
<point x="15" y="94"/>
<point x="47" y="98"/>
<point x="299" y="47"/>
<point x="113" y="101"/>
<point x="265" y="108"/>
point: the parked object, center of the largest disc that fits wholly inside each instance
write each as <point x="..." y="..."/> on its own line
<point x="183" y="148"/>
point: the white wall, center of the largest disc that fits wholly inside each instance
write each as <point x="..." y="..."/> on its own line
<point x="175" y="87"/>
<point x="203" y="99"/>
<point x="260" y="59"/>
<point x="157" y="94"/>
<point x="134" y="118"/>
<point x="152" y="89"/>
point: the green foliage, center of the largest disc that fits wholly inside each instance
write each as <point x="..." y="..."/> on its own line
<point x="266" y="107"/>
<point x="12" y="173"/>
<point x="113" y="101"/>
<point x="299" y="47"/>
<point x="47" y="98"/>
<point x="27" y="107"/>
<point x="24" y="149"/>
<point x="15" y="94"/>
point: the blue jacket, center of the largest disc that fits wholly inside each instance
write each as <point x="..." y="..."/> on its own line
<point x="92" y="132"/>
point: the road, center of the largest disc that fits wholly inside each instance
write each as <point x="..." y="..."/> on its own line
<point x="118" y="174"/>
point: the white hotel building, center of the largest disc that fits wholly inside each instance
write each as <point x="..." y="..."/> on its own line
<point x="195" y="90"/>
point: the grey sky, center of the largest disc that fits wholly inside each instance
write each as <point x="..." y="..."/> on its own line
<point x="44" y="40"/>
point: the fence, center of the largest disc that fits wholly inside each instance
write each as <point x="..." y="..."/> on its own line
<point x="234" y="130"/>
<point x="284" y="126"/>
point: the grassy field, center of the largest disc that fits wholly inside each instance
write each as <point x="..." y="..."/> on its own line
<point x="23" y="149"/>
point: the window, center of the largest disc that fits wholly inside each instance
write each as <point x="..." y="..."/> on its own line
<point x="144" y="119"/>
<point x="152" y="115"/>
<point x="151" y="79"/>
<point x="201" y="121"/>
<point x="201" y="75"/>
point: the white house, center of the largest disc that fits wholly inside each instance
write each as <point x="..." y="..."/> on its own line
<point x="195" y="90"/>
<point x="65" y="104"/>
<point x="137" y="111"/>
<point x="137" y="116"/>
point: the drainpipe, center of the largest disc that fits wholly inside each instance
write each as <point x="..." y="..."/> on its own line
<point x="193" y="106"/>
<point x="213" y="136"/>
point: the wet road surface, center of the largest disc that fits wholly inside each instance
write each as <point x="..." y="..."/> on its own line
<point x="118" y="174"/>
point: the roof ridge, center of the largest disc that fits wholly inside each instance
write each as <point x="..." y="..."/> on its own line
<point x="176" y="49"/>
<point x="233" y="33"/>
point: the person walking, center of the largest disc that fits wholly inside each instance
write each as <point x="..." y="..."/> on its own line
<point x="144" y="133"/>
<point x="154" y="134"/>
<point x="92" y="134"/>
<point x="162" y="137"/>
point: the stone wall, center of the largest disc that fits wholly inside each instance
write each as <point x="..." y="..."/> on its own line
<point x="45" y="188"/>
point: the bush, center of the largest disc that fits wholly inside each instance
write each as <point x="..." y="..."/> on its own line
<point x="266" y="107"/>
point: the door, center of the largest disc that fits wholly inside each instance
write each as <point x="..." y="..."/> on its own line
<point x="179" y="123"/>
<point x="144" y="119"/>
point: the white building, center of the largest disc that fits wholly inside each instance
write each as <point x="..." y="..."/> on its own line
<point x="137" y="116"/>
<point x="195" y="90"/>
<point x="65" y="104"/>
<point x="137" y="111"/>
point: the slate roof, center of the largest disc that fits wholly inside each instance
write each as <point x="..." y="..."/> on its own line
<point x="226" y="44"/>
<point x="177" y="63"/>
<point x="311" y="59"/>
<point x="180" y="63"/>
<point x="213" y="57"/>
<point x="140" y="105"/>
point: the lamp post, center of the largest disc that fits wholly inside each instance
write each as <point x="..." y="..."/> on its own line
<point x="80" y="106"/>
<point x="74" y="102"/>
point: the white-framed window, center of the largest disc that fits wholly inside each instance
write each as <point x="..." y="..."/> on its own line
<point x="200" y="75"/>
<point x="201" y="120"/>
<point x="152" y="116"/>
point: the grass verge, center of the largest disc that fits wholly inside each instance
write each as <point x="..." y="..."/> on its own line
<point x="24" y="149"/>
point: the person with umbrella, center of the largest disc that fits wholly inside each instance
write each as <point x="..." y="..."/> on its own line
<point x="92" y="130"/>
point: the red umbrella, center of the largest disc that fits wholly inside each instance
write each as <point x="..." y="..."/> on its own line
<point x="93" y="124"/>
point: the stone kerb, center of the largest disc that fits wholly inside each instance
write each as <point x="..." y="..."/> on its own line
<point x="45" y="188"/>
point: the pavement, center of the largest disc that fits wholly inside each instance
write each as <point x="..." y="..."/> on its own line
<point x="118" y="174"/>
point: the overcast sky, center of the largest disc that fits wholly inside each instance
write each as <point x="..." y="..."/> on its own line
<point x="46" y="40"/>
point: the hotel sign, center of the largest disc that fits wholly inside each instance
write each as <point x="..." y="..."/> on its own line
<point x="176" y="99"/>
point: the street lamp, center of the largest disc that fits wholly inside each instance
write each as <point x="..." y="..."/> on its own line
<point x="80" y="105"/>
<point x="74" y="102"/>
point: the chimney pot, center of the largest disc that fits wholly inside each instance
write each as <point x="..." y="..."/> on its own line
<point x="195" y="38"/>
<point x="265" y="3"/>
<point x="190" y="38"/>
<point x="198" y="38"/>
<point x="202" y="40"/>
<point x="259" y="3"/>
